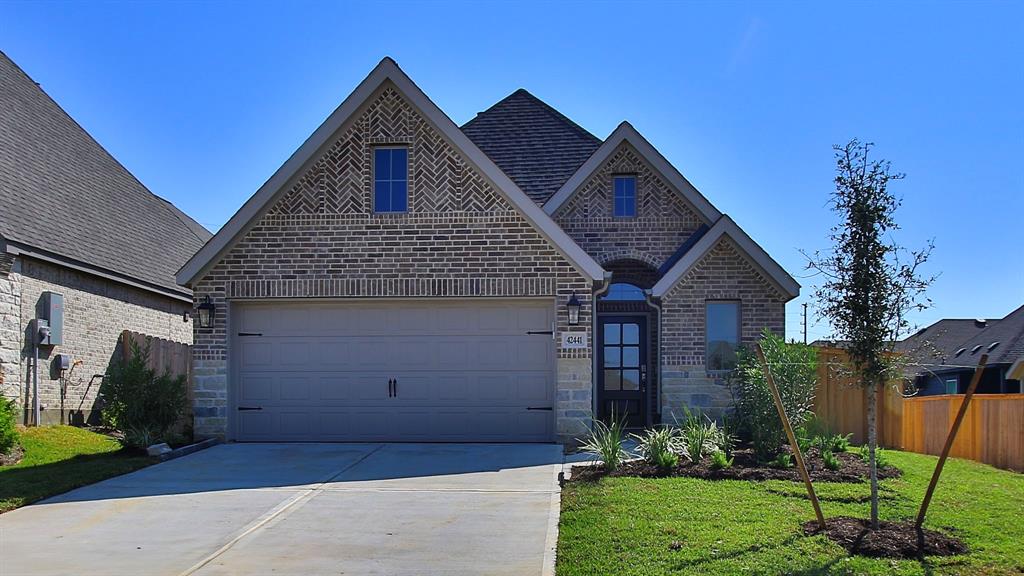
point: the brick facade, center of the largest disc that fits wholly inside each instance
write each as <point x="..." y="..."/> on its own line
<point x="634" y="248"/>
<point x="96" y="311"/>
<point x="663" y="219"/>
<point x="723" y="274"/>
<point x="460" y="238"/>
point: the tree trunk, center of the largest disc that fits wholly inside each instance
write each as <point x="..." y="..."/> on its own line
<point x="872" y="400"/>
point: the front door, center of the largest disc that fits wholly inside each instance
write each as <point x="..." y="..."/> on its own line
<point x="622" y="369"/>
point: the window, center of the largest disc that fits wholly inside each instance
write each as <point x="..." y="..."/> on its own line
<point x="624" y="196"/>
<point x="951" y="386"/>
<point x="723" y="334"/>
<point x="390" y="179"/>
<point x="620" y="291"/>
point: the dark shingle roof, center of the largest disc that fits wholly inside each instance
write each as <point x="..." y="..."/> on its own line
<point x="1008" y="332"/>
<point x="62" y="193"/>
<point x="534" y="144"/>
<point x="939" y="343"/>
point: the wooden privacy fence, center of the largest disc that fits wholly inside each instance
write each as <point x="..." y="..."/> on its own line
<point x="168" y="355"/>
<point x="992" y="432"/>
<point x="842" y="404"/>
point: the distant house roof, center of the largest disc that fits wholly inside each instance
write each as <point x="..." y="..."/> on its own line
<point x="64" y="198"/>
<point x="533" y="144"/>
<point x="961" y="342"/>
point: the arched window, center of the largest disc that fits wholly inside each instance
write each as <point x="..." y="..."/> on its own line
<point x="623" y="291"/>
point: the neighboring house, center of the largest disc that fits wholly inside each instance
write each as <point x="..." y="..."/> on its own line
<point x="944" y="355"/>
<point x="80" y="233"/>
<point x="402" y="278"/>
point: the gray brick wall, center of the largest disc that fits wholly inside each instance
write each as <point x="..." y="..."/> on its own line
<point x="663" y="221"/>
<point x="723" y="274"/>
<point x="96" y="311"/>
<point x="10" y="328"/>
<point x="460" y="238"/>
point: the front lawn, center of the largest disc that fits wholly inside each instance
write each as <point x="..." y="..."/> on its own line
<point x="60" y="458"/>
<point x="689" y="526"/>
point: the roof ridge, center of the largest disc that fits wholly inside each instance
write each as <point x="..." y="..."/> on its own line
<point x="549" y="109"/>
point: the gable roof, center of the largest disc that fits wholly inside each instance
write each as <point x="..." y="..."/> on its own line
<point x="939" y="341"/>
<point x="626" y="133"/>
<point x="1008" y="332"/>
<point x="938" y="344"/>
<point x="534" y="144"/>
<point x="65" y="199"/>
<point x="386" y="71"/>
<point x="757" y="256"/>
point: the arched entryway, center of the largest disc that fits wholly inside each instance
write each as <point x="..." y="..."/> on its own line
<point x="627" y="344"/>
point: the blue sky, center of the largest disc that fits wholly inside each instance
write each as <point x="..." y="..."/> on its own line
<point x="203" y="101"/>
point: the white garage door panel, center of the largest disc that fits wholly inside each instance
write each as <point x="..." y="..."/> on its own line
<point x="463" y="370"/>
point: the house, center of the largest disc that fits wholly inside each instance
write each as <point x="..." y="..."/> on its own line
<point x="944" y="355"/>
<point x="85" y="248"/>
<point x="400" y="278"/>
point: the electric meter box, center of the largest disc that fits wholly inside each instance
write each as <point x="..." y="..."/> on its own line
<point x="53" y="312"/>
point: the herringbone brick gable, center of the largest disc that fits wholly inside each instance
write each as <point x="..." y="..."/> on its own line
<point x="341" y="181"/>
<point x="663" y="222"/>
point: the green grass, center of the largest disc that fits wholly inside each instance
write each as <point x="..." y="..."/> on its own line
<point x="60" y="458"/>
<point x="628" y="525"/>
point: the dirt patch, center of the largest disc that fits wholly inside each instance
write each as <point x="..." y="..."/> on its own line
<point x="891" y="540"/>
<point x="744" y="467"/>
<point x="12" y="457"/>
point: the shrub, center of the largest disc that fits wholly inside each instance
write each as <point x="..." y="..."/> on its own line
<point x="836" y="442"/>
<point x="794" y="367"/>
<point x="880" y="459"/>
<point x="830" y="460"/>
<point x="719" y="460"/>
<point x="606" y="441"/>
<point x="781" y="460"/>
<point x="8" y="428"/>
<point x="701" y="436"/>
<point x="661" y="446"/>
<point x="727" y="438"/>
<point x="141" y="403"/>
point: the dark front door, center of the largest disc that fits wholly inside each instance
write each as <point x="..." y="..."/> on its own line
<point x="622" y="369"/>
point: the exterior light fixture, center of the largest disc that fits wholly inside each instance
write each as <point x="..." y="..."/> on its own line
<point x="573" y="306"/>
<point x="206" y="312"/>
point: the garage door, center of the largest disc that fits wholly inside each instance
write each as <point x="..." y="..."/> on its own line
<point x="412" y="371"/>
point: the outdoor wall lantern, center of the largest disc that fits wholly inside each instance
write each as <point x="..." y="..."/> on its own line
<point x="573" y="306"/>
<point x="206" y="311"/>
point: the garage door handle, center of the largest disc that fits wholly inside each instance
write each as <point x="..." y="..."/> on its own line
<point x="396" y="387"/>
<point x="548" y="408"/>
<point x="247" y="408"/>
<point x="391" y="391"/>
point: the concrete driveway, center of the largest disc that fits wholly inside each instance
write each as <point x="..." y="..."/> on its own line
<point x="303" y="509"/>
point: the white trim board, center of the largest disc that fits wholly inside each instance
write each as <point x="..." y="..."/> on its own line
<point x="626" y="133"/>
<point x="755" y="254"/>
<point x="386" y="70"/>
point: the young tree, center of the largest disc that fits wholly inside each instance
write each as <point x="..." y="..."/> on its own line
<point x="870" y="283"/>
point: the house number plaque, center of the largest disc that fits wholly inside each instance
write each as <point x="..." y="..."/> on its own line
<point x="574" y="340"/>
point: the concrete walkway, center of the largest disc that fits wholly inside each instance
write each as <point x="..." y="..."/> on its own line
<point x="440" y="509"/>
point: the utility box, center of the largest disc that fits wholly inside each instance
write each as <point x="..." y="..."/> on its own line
<point x="62" y="362"/>
<point x="53" y="312"/>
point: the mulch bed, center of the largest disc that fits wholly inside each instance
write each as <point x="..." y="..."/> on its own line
<point x="744" y="467"/>
<point x="12" y="457"/>
<point x="891" y="540"/>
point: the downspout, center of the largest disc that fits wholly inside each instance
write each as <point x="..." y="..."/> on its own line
<point x="652" y="302"/>
<point x="605" y="284"/>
